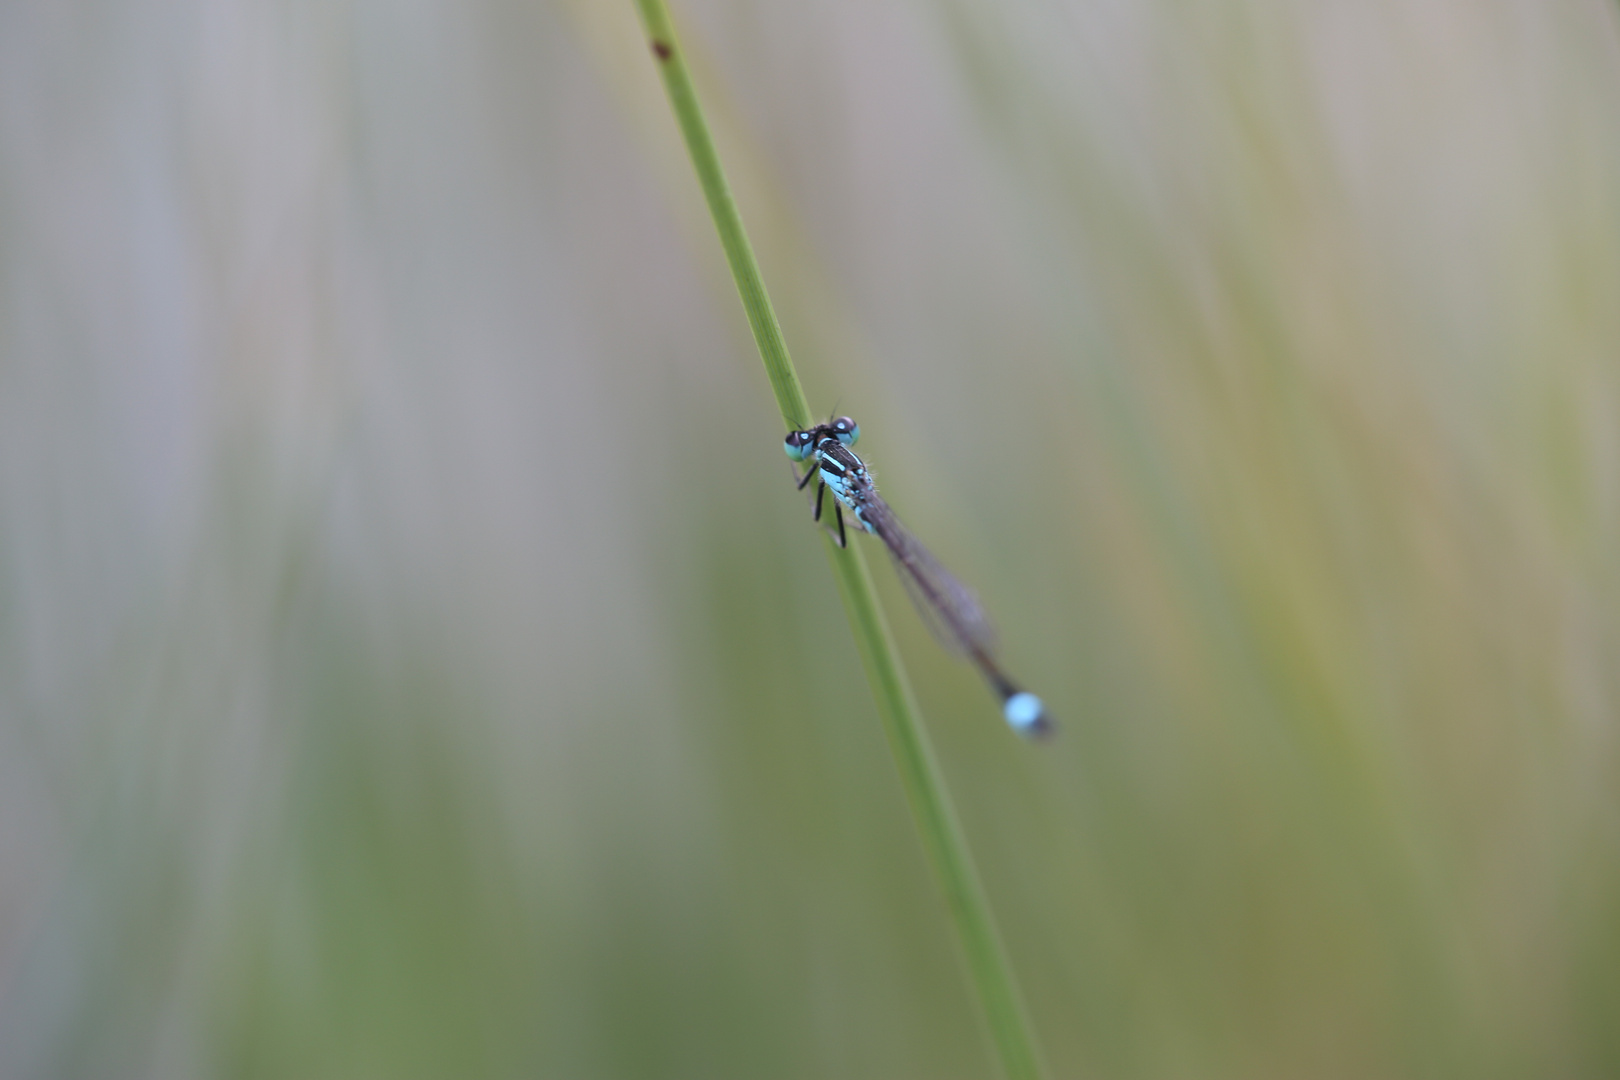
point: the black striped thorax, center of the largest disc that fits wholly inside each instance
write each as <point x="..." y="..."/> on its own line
<point x="843" y="471"/>
<point x="846" y="474"/>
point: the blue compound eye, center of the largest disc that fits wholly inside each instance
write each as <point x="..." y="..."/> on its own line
<point x="847" y="430"/>
<point x="798" y="444"/>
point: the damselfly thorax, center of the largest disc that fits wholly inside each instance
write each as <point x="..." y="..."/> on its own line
<point x="846" y="475"/>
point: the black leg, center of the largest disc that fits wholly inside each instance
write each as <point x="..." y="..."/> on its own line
<point x="820" y="492"/>
<point x="805" y="479"/>
<point x="839" y="511"/>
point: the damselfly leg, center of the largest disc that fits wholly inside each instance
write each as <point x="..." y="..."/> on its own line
<point x="821" y="492"/>
<point x="838" y="513"/>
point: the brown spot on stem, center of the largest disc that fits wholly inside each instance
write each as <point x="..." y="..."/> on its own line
<point x="662" y="50"/>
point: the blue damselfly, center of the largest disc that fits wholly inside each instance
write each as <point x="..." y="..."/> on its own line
<point x="949" y="608"/>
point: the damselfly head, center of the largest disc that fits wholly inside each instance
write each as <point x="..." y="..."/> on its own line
<point x="798" y="444"/>
<point x="846" y="429"/>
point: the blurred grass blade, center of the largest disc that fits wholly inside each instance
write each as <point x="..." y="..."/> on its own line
<point x="942" y="835"/>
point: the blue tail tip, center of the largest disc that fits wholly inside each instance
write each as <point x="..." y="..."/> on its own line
<point x="1027" y="715"/>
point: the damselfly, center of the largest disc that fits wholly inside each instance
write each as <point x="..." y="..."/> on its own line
<point x="948" y="607"/>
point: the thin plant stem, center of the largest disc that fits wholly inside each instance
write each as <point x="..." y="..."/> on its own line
<point x="919" y="772"/>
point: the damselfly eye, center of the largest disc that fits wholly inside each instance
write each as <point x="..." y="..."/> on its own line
<point x="847" y="430"/>
<point x="798" y="444"/>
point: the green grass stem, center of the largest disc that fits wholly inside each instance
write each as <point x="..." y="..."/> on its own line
<point x="925" y="788"/>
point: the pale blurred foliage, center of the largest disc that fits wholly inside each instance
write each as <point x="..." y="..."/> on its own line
<point x="413" y="662"/>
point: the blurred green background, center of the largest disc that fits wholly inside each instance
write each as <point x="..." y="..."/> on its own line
<point x="414" y="661"/>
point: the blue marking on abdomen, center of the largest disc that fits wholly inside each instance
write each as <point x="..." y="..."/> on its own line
<point x="1023" y="710"/>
